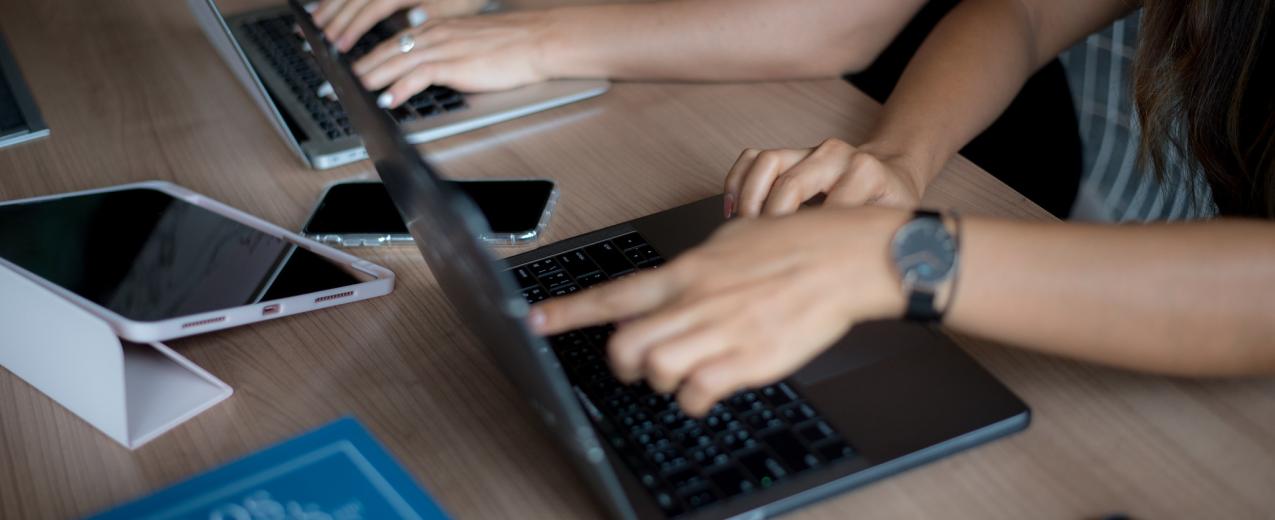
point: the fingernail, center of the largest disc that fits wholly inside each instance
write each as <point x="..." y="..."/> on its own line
<point x="326" y="90"/>
<point x="311" y="7"/>
<point x="385" y="100"/>
<point x="536" y="319"/>
<point x="417" y="16"/>
<point x="728" y="206"/>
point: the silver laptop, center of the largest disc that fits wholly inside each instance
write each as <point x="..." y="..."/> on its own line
<point x="269" y="59"/>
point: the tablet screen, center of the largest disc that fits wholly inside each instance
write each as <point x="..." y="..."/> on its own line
<point x="149" y="256"/>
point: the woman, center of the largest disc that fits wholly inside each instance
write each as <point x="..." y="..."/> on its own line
<point x="711" y="40"/>
<point x="766" y="294"/>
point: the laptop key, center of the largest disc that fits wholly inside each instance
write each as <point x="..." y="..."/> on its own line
<point x="577" y="263"/>
<point x="834" y="450"/>
<point x="775" y="395"/>
<point x="667" y="503"/>
<point x="609" y="259"/>
<point x="765" y="468"/>
<point x="705" y="454"/>
<point x="698" y="497"/>
<point x="635" y="255"/>
<point x="629" y="240"/>
<point x="563" y="290"/>
<point x="599" y="336"/>
<point x="555" y="279"/>
<point x="790" y="450"/>
<point x="523" y="277"/>
<point x="590" y="280"/>
<point x="652" y="262"/>
<point x="659" y="457"/>
<point x="534" y="294"/>
<point x="815" y="432"/>
<point x="542" y="267"/>
<point x="684" y="476"/>
<point x="731" y="481"/>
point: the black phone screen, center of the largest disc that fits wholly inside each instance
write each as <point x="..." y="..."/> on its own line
<point x="365" y="207"/>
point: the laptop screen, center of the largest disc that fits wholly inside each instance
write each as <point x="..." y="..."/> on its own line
<point x="444" y="224"/>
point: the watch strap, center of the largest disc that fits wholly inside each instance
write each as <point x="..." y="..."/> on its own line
<point x="921" y="307"/>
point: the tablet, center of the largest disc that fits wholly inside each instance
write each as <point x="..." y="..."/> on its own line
<point x="157" y="261"/>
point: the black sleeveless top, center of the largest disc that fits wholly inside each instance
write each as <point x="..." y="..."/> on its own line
<point x="1034" y="146"/>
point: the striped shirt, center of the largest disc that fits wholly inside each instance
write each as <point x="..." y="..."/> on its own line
<point x="1114" y="187"/>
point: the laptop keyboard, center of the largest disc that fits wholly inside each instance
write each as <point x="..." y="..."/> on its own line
<point x="273" y="36"/>
<point x="749" y="441"/>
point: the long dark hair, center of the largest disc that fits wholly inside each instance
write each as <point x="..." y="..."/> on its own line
<point x="1204" y="87"/>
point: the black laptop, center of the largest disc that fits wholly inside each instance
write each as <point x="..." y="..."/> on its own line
<point x="888" y="397"/>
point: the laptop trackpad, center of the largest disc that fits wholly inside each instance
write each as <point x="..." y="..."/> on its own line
<point x="867" y="343"/>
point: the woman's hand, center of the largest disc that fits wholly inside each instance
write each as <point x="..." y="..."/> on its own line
<point x="747" y="308"/>
<point x="475" y="54"/>
<point x="777" y="182"/>
<point x="345" y="21"/>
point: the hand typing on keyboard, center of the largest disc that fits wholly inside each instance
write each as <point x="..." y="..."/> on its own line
<point x="345" y="21"/>
<point x="474" y="54"/>
<point x="748" y="307"/>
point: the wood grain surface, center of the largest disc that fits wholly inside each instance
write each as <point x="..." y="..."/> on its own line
<point x="132" y="91"/>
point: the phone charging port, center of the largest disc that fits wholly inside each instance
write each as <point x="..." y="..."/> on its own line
<point x="271" y="309"/>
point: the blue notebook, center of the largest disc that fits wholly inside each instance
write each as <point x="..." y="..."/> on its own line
<point x="337" y="472"/>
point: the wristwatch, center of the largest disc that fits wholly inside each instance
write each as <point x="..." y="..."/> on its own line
<point x="925" y="251"/>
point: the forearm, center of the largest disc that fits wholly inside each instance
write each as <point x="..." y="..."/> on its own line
<point x="1193" y="299"/>
<point x="722" y="39"/>
<point x="970" y="69"/>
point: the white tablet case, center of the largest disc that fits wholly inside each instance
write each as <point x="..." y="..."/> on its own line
<point x="68" y="348"/>
<point x="131" y="393"/>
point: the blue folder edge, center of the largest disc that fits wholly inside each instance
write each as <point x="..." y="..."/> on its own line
<point x="345" y="436"/>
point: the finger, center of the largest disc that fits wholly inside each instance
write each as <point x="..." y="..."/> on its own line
<point x="627" y="348"/>
<point x="717" y="378"/>
<point x="372" y="12"/>
<point x="431" y="9"/>
<point x="327" y="9"/>
<point x="667" y="364"/>
<point x="342" y="18"/>
<point x="383" y="52"/>
<point x="417" y="16"/>
<point x="404" y="64"/>
<point x="613" y="301"/>
<point x="761" y="176"/>
<point x="812" y="176"/>
<point x="389" y="50"/>
<point x="735" y="179"/>
<point x="420" y="78"/>
<point x="858" y="186"/>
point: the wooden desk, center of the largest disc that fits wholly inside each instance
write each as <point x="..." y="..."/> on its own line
<point x="133" y="92"/>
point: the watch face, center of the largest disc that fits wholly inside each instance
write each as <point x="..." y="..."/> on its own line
<point x="924" y="252"/>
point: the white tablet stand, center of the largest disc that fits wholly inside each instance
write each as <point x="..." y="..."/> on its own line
<point x="132" y="393"/>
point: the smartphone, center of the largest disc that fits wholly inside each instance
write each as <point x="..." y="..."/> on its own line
<point x="360" y="213"/>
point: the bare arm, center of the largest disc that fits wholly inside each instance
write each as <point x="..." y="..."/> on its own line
<point x="965" y="74"/>
<point x="674" y="39"/>
<point x="970" y="68"/>
<point x="764" y="296"/>
<point x="1192" y="299"/>
<point x="724" y="39"/>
